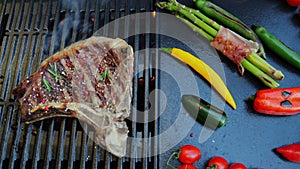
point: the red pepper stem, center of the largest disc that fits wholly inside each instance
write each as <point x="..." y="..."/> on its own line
<point x="176" y="154"/>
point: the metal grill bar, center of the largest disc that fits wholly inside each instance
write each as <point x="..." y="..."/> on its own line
<point x="72" y="141"/>
<point x="4" y="21"/>
<point x="15" y="140"/>
<point x="61" y="141"/>
<point x="5" y="137"/>
<point x="49" y="143"/>
<point x="135" y="95"/>
<point x="25" y="152"/>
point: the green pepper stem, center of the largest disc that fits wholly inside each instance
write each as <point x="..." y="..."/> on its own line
<point x="167" y="50"/>
<point x="251" y="98"/>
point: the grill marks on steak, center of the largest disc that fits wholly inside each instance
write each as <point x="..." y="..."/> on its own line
<point x="90" y="80"/>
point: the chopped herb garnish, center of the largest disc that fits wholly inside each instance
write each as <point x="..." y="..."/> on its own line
<point x="47" y="85"/>
<point x="54" y="72"/>
<point x="104" y="75"/>
<point x="108" y="74"/>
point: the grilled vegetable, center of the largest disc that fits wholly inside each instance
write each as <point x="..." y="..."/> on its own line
<point x="264" y="78"/>
<point x="187" y="154"/>
<point x="277" y="46"/>
<point x="228" y="20"/>
<point x="203" y="69"/>
<point x="279" y="101"/>
<point x="293" y="2"/>
<point x="245" y="55"/>
<point x="217" y="162"/>
<point x="290" y="152"/>
<point x="187" y="166"/>
<point x="205" y="113"/>
<point x="237" y="166"/>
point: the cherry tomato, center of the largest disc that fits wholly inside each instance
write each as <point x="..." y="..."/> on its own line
<point x="293" y="2"/>
<point x="218" y="162"/>
<point x="189" y="154"/>
<point x="187" y="166"/>
<point x="237" y="166"/>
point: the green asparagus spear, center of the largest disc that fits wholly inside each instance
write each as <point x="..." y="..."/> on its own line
<point x="228" y="20"/>
<point x="195" y="21"/>
<point x="200" y="15"/>
<point x="212" y="27"/>
<point x="265" y="66"/>
<point x="179" y="9"/>
<point x="195" y="28"/>
<point x="260" y="63"/>
<point x="267" y="80"/>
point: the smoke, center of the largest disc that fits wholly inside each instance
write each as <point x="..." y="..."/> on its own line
<point x="70" y="24"/>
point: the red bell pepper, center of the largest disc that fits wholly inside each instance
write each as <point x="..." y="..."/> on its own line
<point x="278" y="101"/>
<point x="294" y="3"/>
<point x="290" y="152"/>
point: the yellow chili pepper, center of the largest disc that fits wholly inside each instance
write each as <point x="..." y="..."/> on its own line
<point x="205" y="70"/>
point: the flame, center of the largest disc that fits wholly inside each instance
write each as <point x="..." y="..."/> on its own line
<point x="92" y="19"/>
<point x="153" y="14"/>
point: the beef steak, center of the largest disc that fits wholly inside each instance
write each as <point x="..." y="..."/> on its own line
<point x="90" y="80"/>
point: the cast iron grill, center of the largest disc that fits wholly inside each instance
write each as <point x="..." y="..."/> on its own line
<point x="32" y="30"/>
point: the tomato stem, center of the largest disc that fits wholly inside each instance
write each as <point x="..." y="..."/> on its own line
<point x="174" y="154"/>
<point x="212" y="167"/>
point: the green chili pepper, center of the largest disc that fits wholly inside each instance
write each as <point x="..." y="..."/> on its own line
<point x="203" y="112"/>
<point x="277" y="46"/>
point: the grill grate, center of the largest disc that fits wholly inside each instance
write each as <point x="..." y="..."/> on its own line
<point x="32" y="30"/>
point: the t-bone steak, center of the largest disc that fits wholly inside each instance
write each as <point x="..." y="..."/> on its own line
<point x="90" y="80"/>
